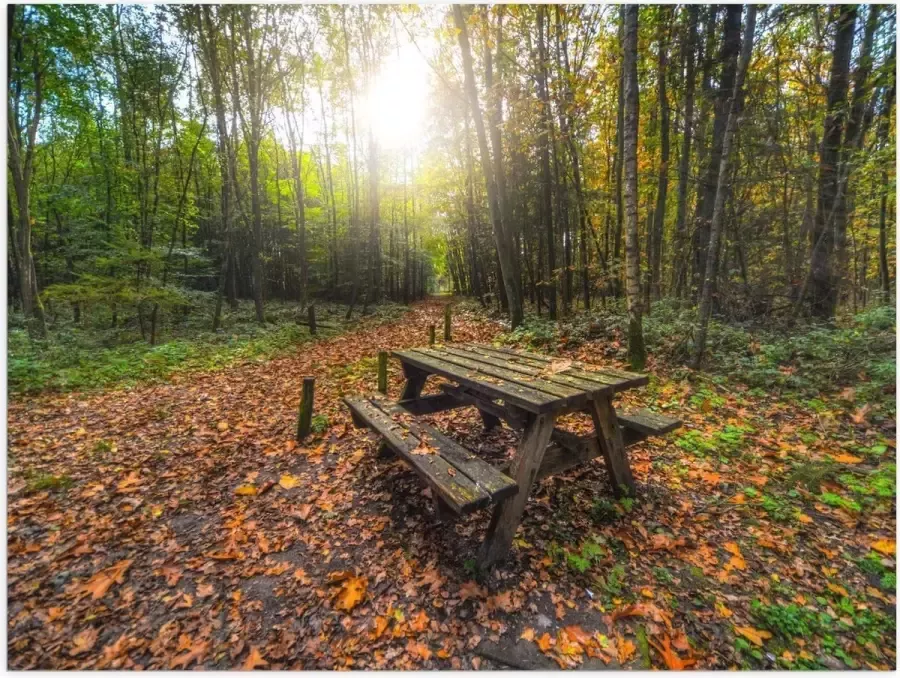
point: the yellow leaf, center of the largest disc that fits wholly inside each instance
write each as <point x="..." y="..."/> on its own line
<point x="885" y="546"/>
<point x="288" y="481"/>
<point x="803" y="518"/>
<point x="755" y="636"/>
<point x="722" y="610"/>
<point x="528" y="634"/>
<point x="840" y="590"/>
<point x="84" y="641"/>
<point x="222" y="426"/>
<point x="647" y="593"/>
<point x="248" y="490"/>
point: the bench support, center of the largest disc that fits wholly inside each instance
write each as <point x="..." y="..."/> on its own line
<point x="609" y="435"/>
<point x="524" y="470"/>
<point x="415" y="382"/>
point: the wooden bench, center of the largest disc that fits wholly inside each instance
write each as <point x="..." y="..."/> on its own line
<point x="459" y="480"/>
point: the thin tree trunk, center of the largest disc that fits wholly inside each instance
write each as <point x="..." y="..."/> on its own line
<point x="679" y="260"/>
<point x="665" y="17"/>
<point x="637" y="355"/>
<point x="733" y="114"/>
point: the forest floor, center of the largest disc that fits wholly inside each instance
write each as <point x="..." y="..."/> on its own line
<point x="178" y="525"/>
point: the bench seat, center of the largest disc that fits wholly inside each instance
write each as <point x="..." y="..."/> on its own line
<point x="463" y="481"/>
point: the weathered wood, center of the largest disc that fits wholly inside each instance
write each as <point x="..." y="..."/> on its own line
<point x="463" y="480"/>
<point x="447" y="312"/>
<point x="485" y="476"/>
<point x="382" y="372"/>
<point x="618" y="380"/>
<point x="567" y="378"/>
<point x="459" y="492"/>
<point x="431" y="335"/>
<point x="648" y="422"/>
<point x="304" y="415"/>
<point x="526" y="398"/>
<point x="488" y="420"/>
<point x="311" y="318"/>
<point x="415" y="381"/>
<point x="524" y="469"/>
<point x="566" y="395"/>
<point x="609" y="435"/>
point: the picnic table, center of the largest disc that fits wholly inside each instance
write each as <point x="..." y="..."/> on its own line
<point x="529" y="392"/>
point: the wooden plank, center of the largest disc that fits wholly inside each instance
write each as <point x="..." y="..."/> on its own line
<point x="526" y="398"/>
<point x="565" y="395"/>
<point x="565" y="378"/>
<point x="524" y="469"/>
<point x="609" y="435"/>
<point x="485" y="476"/>
<point x="620" y="380"/>
<point x="648" y="422"/>
<point x="459" y="492"/>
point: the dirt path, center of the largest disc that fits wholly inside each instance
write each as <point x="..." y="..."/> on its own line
<point x="190" y="530"/>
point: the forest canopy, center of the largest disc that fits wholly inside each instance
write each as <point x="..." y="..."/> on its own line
<point x="740" y="159"/>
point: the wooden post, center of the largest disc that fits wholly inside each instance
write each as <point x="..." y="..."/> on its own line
<point x="447" y="322"/>
<point x="304" y="417"/>
<point x="612" y="446"/>
<point x="311" y="313"/>
<point x="382" y="372"/>
<point x="431" y="335"/>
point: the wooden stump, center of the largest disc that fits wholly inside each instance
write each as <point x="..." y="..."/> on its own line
<point x="311" y="318"/>
<point x="431" y="335"/>
<point x="304" y="416"/>
<point x="447" y="322"/>
<point x="382" y="372"/>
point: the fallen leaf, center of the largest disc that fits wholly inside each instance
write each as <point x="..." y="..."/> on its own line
<point x="844" y="458"/>
<point x="755" y="636"/>
<point x="254" y="659"/>
<point x="840" y="590"/>
<point x="885" y="546"/>
<point x="247" y="490"/>
<point x="194" y="653"/>
<point x="626" y="649"/>
<point x="544" y="643"/>
<point x="288" y="481"/>
<point x="528" y="634"/>
<point x="351" y="593"/>
<point x="103" y="580"/>
<point x="669" y="656"/>
<point x="84" y="641"/>
<point x="222" y="426"/>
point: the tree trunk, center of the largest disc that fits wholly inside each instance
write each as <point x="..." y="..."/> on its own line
<point x="679" y="259"/>
<point x="707" y="188"/>
<point x="546" y="180"/>
<point x="502" y="238"/>
<point x="665" y="18"/>
<point x="823" y="284"/>
<point x="732" y="115"/>
<point x="636" y="352"/>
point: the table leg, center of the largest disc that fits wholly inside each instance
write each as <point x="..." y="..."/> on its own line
<point x="415" y="382"/>
<point x="524" y="468"/>
<point x="609" y="435"/>
<point x="489" y="420"/>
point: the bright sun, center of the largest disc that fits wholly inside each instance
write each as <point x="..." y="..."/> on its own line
<point x="396" y="102"/>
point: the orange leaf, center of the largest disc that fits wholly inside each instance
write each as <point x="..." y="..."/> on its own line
<point x="755" y="636"/>
<point x="351" y="594"/>
<point x="381" y="624"/>
<point x="626" y="650"/>
<point x="254" y="659"/>
<point x="528" y="634"/>
<point x="885" y="546"/>
<point x="544" y="643"/>
<point x="670" y="657"/>
<point x="844" y="458"/>
<point x="103" y="580"/>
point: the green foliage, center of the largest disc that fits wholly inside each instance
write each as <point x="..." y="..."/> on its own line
<point x="79" y="358"/>
<point x="612" y="582"/>
<point x="590" y="553"/>
<point x="40" y="482"/>
<point x="319" y="423"/>
<point x="789" y="621"/>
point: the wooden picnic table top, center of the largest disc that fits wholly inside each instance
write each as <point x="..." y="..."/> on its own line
<point x="536" y="383"/>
